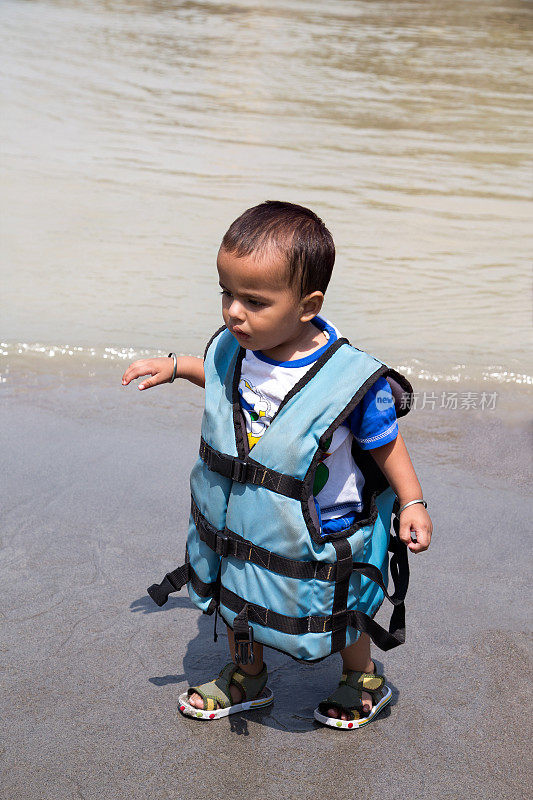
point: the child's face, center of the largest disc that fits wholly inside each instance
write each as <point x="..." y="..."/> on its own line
<point x="258" y="306"/>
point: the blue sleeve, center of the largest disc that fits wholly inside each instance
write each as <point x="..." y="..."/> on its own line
<point x="373" y="421"/>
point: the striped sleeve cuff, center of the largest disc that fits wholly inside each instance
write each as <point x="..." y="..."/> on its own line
<point x="384" y="437"/>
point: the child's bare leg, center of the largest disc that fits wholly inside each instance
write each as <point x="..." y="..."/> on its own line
<point x="357" y="657"/>
<point x="250" y="669"/>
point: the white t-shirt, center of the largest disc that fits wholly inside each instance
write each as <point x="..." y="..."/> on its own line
<point x="263" y="384"/>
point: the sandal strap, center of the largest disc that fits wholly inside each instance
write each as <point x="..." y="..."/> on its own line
<point x="348" y="696"/>
<point x="250" y="685"/>
<point x="212" y="695"/>
<point x="218" y="691"/>
<point x="369" y="682"/>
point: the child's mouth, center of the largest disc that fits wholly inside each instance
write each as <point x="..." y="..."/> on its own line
<point x="239" y="333"/>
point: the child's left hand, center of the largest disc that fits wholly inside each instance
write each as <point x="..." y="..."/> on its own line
<point x="415" y="519"/>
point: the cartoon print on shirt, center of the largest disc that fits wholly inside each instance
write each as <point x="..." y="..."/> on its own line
<point x="257" y="411"/>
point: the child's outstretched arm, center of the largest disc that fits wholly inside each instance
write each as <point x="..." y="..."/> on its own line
<point x="393" y="460"/>
<point x="161" y="370"/>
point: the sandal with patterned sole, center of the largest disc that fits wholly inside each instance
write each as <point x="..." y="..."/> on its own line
<point x="347" y="698"/>
<point x="217" y="693"/>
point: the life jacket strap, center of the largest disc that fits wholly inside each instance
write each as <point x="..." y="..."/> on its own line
<point x="250" y="471"/>
<point x="175" y="580"/>
<point x="227" y="543"/>
<point x="333" y="623"/>
<point x="398" y="564"/>
<point x="243" y="635"/>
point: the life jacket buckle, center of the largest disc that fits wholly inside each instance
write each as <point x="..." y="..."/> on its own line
<point x="239" y="469"/>
<point x="222" y="545"/>
<point x="244" y="646"/>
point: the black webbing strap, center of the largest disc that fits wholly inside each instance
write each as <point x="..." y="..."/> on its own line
<point x="295" y="626"/>
<point x="342" y="585"/>
<point x="399" y="564"/>
<point x="250" y="471"/>
<point x="227" y="543"/>
<point x="174" y="581"/>
<point x="244" y="637"/>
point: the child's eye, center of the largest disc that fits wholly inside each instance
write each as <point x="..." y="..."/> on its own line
<point x="225" y="293"/>
<point x="256" y="303"/>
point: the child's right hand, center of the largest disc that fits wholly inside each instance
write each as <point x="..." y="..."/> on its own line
<point x="160" y="369"/>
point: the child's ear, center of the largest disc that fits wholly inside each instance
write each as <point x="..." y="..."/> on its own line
<point x="310" y="306"/>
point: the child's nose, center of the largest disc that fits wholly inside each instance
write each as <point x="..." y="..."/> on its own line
<point x="236" y="311"/>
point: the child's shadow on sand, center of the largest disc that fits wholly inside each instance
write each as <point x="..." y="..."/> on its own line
<point x="297" y="687"/>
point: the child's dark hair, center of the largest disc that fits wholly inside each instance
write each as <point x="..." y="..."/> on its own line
<point x="293" y="230"/>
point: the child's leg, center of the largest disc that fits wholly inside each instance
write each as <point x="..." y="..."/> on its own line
<point x="357" y="657"/>
<point x="250" y="669"/>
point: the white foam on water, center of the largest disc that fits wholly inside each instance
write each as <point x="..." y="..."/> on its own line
<point x="51" y="357"/>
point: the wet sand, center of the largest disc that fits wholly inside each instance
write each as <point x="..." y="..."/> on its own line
<point x="95" y="509"/>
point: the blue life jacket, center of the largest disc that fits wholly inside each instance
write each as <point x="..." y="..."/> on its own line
<point x="255" y="550"/>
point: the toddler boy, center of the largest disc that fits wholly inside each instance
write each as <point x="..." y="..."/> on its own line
<point x="274" y="266"/>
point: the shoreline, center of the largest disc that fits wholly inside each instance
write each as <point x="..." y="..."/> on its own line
<point x="23" y="359"/>
<point x="459" y="400"/>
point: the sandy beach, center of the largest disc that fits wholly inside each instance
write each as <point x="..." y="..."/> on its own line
<point x="133" y="134"/>
<point x="95" y="509"/>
